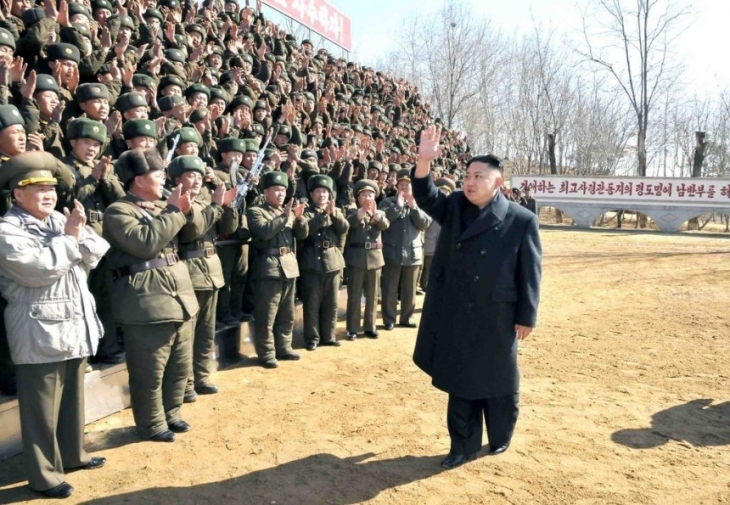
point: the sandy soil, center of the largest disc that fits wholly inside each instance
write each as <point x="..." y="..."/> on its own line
<point x="625" y="399"/>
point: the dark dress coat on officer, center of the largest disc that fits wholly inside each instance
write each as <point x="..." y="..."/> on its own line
<point x="485" y="278"/>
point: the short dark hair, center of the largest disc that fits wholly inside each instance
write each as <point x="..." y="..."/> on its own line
<point x="489" y="159"/>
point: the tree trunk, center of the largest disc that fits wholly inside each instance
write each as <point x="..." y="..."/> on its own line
<point x="551" y="154"/>
<point x="641" y="153"/>
<point x="697" y="160"/>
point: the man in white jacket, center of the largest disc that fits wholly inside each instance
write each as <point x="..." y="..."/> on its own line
<point x="52" y="326"/>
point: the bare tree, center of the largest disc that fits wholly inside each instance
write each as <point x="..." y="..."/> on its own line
<point x="633" y="43"/>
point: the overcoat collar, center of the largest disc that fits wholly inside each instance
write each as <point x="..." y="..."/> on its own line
<point x="488" y="219"/>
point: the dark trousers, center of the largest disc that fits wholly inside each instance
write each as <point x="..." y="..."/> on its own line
<point x="399" y="280"/>
<point x="425" y="272"/>
<point x="7" y="369"/>
<point x="159" y="364"/>
<point x="273" y="317"/>
<point x="203" y="341"/>
<point x="51" y="401"/>
<point x="234" y="261"/>
<point x="362" y="280"/>
<point x="464" y="420"/>
<point x="98" y="286"/>
<point x="319" y="294"/>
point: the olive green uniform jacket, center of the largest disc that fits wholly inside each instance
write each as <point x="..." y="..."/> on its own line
<point x="140" y="231"/>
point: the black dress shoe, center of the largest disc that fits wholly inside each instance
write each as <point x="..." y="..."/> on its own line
<point x="191" y="398"/>
<point x="63" y="490"/>
<point x="93" y="464"/>
<point x="165" y="436"/>
<point x="331" y="343"/>
<point x="207" y="390"/>
<point x="312" y="346"/>
<point x="389" y="326"/>
<point x="179" y="426"/>
<point x="270" y="364"/>
<point x="351" y="335"/>
<point x="493" y="451"/>
<point x="408" y="324"/>
<point x="290" y="356"/>
<point x="453" y="460"/>
<point x="372" y="334"/>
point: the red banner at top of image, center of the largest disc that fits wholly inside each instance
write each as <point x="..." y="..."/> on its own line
<point x="318" y="16"/>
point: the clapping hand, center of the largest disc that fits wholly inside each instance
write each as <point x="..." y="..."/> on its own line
<point x="179" y="199"/>
<point x="75" y="221"/>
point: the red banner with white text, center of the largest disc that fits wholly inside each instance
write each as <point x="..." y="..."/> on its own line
<point x="318" y="16"/>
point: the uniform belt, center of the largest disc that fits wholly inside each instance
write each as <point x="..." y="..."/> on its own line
<point x="325" y="244"/>
<point x="169" y="260"/>
<point x="95" y="216"/>
<point x="367" y="245"/>
<point x="279" y="251"/>
<point x="208" y="252"/>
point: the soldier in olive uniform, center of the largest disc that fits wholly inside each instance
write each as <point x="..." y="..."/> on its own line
<point x="97" y="187"/>
<point x="232" y="247"/>
<point x="38" y="106"/>
<point x="364" y="258"/>
<point x="154" y="298"/>
<point x="274" y="270"/>
<point x="403" y="253"/>
<point x="197" y="250"/>
<point x="323" y="232"/>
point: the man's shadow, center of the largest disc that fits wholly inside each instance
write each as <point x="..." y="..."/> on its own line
<point x="316" y="479"/>
<point x="697" y="422"/>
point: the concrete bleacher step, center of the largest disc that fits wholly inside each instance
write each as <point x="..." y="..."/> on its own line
<point x="107" y="387"/>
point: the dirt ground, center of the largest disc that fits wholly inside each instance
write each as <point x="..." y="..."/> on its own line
<point x="625" y="400"/>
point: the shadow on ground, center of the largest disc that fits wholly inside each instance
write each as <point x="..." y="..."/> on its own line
<point x="697" y="422"/>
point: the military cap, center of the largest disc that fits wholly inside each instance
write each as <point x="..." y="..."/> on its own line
<point x="445" y="183"/>
<point x="308" y="96"/>
<point x="260" y="104"/>
<point x="126" y="22"/>
<point x="130" y="100"/>
<point x="274" y="178"/>
<point x="180" y="39"/>
<point x="320" y="181"/>
<point x="247" y="58"/>
<point x="143" y="81"/>
<point x="78" y="8"/>
<point x="139" y="128"/>
<point x="238" y="101"/>
<point x="10" y="116"/>
<point x="307" y="154"/>
<point x="84" y="128"/>
<point x="357" y="128"/>
<point x="7" y="39"/>
<point x="366" y="185"/>
<point x="171" y="80"/>
<point x="167" y="103"/>
<point x="308" y="166"/>
<point x="101" y="4"/>
<point x="319" y="120"/>
<point x="137" y="162"/>
<point x="172" y="4"/>
<point x="285" y="130"/>
<point x="81" y="29"/>
<point x="32" y="167"/>
<point x="32" y="16"/>
<point x="153" y="13"/>
<point x="196" y="28"/>
<point x="63" y="51"/>
<point x="219" y="93"/>
<point x="197" y="88"/>
<point x="216" y="50"/>
<point x="175" y="55"/>
<point x="45" y="82"/>
<point x="393" y="167"/>
<point x="404" y="175"/>
<point x="307" y="41"/>
<point x="252" y="145"/>
<point x="198" y="115"/>
<point x="376" y="165"/>
<point x="232" y="144"/>
<point x="258" y="129"/>
<point x="186" y="163"/>
<point x="188" y="134"/>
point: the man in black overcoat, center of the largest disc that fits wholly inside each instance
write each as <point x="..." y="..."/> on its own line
<point x="482" y="297"/>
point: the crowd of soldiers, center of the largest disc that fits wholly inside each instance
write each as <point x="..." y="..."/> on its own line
<point x="123" y="93"/>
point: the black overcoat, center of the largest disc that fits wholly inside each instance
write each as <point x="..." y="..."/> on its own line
<point x="484" y="279"/>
